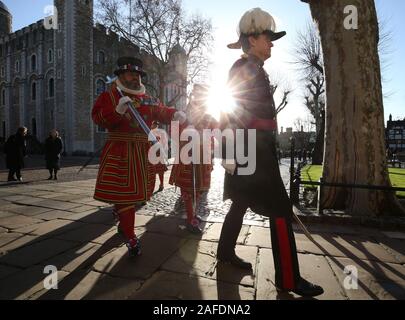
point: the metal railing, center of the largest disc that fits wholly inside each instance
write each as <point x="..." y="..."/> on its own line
<point x="321" y="184"/>
<point x="296" y="182"/>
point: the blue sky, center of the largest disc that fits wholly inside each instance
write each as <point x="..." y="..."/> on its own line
<point x="291" y="15"/>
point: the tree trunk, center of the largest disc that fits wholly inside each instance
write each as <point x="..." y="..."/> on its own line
<point x="354" y="136"/>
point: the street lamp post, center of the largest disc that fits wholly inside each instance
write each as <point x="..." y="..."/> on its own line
<point x="292" y="170"/>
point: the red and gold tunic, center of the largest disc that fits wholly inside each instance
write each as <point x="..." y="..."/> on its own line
<point x="125" y="175"/>
<point x="181" y="175"/>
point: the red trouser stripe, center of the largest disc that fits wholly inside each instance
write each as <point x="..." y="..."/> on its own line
<point x="285" y="254"/>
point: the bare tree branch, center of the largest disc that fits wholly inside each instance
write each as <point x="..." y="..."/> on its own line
<point x="158" y="26"/>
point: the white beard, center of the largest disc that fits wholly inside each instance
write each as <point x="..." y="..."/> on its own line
<point x="141" y="90"/>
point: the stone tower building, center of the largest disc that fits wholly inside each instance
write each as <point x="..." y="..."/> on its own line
<point x="51" y="74"/>
<point x="5" y="20"/>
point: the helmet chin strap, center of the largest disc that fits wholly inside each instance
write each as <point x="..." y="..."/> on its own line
<point x="141" y="90"/>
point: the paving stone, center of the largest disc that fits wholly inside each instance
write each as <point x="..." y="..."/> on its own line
<point x="199" y="258"/>
<point x="172" y="227"/>
<point x="51" y="194"/>
<point x="58" y="205"/>
<point x="312" y="268"/>
<point x="30" y="210"/>
<point x="344" y="246"/>
<point x="84" y="208"/>
<point x="35" y="202"/>
<point x="98" y="203"/>
<point x="78" y="258"/>
<point x="94" y="216"/>
<point x="50" y="228"/>
<point x="38" y="193"/>
<point x="112" y="235"/>
<point x="174" y="286"/>
<point x="376" y="281"/>
<point x="36" y="252"/>
<point x="86" y="233"/>
<point x="259" y="237"/>
<point x="11" y="241"/>
<point x="23" y="199"/>
<point x="395" y="247"/>
<point x="54" y="214"/>
<point x="141" y="220"/>
<point x="5" y="214"/>
<point x="18" y="221"/>
<point x="68" y="197"/>
<point x="156" y="249"/>
<point x="22" y="285"/>
<point x="394" y="235"/>
<point x="214" y="232"/>
<point x="84" y="200"/>
<point x="6" y="271"/>
<point x="91" y="286"/>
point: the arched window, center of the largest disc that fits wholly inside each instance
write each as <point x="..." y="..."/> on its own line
<point x="101" y="57"/>
<point x="34" y="91"/>
<point x="33" y="62"/>
<point x="50" y="56"/>
<point x="51" y="88"/>
<point x="100" y="86"/>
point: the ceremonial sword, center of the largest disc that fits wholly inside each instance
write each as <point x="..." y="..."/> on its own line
<point x="137" y="117"/>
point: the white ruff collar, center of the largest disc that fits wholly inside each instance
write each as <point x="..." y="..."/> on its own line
<point x="141" y="91"/>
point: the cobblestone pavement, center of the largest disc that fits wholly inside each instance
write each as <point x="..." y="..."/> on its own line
<point x="48" y="223"/>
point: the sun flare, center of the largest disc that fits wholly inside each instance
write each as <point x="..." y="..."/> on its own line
<point x="220" y="100"/>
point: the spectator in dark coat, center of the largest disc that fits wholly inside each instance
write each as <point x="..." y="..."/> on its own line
<point x="53" y="149"/>
<point x="16" y="150"/>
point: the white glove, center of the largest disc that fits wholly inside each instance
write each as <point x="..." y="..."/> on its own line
<point x="180" y="116"/>
<point x="229" y="166"/>
<point x="123" y="105"/>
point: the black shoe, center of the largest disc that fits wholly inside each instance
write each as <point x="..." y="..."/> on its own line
<point x="11" y="179"/>
<point x="305" y="288"/>
<point x="134" y="247"/>
<point x="194" y="227"/>
<point x="20" y="179"/>
<point x="160" y="189"/>
<point x="236" y="261"/>
<point x="50" y="178"/>
<point x="55" y="178"/>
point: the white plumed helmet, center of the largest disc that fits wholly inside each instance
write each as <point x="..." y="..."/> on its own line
<point x="254" y="22"/>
